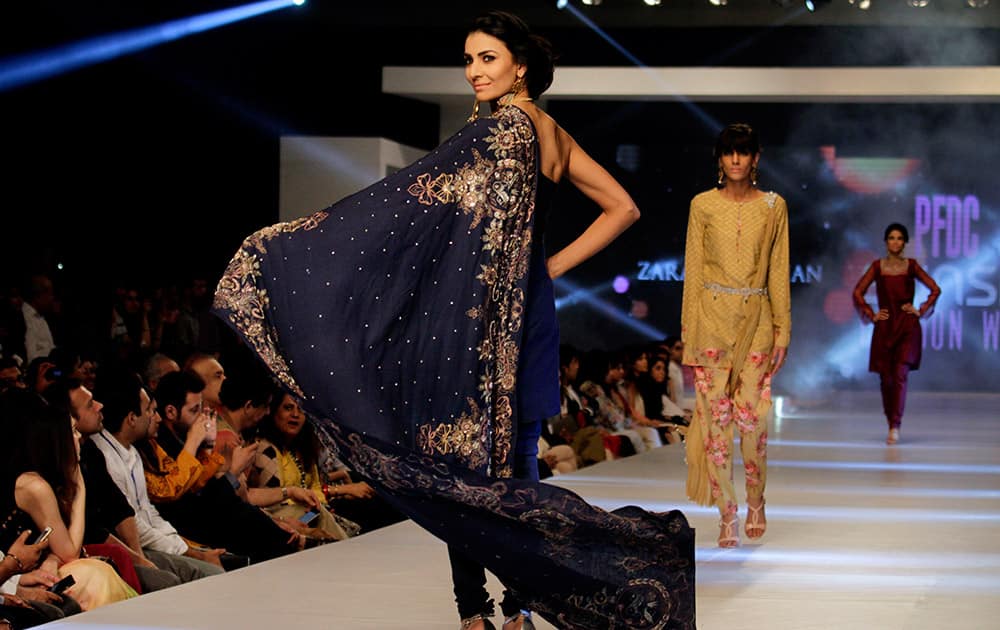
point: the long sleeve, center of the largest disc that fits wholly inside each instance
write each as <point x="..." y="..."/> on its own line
<point x="928" y="282"/>
<point x="173" y="478"/>
<point x="693" y="283"/>
<point x="859" y="294"/>
<point x="778" y="281"/>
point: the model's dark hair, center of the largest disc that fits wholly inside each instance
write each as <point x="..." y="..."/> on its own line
<point x="901" y="228"/>
<point x="737" y="137"/>
<point x="534" y="51"/>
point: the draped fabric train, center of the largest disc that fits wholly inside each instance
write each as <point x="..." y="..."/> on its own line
<point x="395" y="316"/>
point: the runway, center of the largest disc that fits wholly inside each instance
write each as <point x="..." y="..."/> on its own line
<point x="860" y="535"/>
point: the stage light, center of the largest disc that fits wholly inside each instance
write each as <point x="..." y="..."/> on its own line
<point x="561" y="4"/>
<point x="652" y="3"/>
<point x="918" y="4"/>
<point x="810" y="6"/>
<point x="718" y="3"/>
<point x="621" y="284"/>
<point x="815" y="5"/>
<point x="591" y="3"/>
<point x="298" y="3"/>
<point x="864" y="5"/>
<point x="977" y="4"/>
<point x="34" y="67"/>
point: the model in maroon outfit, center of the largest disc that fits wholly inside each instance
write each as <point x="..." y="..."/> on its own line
<point x="896" y="340"/>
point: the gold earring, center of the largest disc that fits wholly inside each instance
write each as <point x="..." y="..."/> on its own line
<point x="722" y="175"/>
<point x="475" y="112"/>
<point x="753" y="175"/>
<point x="511" y="94"/>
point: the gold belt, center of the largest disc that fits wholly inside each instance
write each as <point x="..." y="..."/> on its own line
<point x="744" y="291"/>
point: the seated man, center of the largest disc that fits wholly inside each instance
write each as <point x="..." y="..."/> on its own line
<point x="130" y="415"/>
<point x="196" y="490"/>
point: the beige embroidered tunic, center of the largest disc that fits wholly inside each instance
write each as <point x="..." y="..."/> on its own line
<point x="727" y="242"/>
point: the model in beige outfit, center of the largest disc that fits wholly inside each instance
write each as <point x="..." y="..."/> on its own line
<point x="735" y="324"/>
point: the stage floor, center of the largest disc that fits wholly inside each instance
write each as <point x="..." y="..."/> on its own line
<point x="860" y="535"/>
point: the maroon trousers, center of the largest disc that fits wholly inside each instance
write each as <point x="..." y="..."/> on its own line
<point x="894" y="392"/>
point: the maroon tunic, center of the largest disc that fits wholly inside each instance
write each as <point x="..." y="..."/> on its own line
<point x="897" y="339"/>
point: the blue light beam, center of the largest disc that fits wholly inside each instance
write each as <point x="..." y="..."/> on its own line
<point x="579" y="294"/>
<point x="32" y="67"/>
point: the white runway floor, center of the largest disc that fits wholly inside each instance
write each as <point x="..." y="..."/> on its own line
<point x="860" y="535"/>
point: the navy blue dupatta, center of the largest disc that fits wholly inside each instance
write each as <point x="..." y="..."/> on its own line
<point x="395" y="317"/>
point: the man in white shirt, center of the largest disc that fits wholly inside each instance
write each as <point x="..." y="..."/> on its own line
<point x="130" y="415"/>
<point x="39" y="300"/>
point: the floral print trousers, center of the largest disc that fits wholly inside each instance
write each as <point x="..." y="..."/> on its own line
<point x="747" y="409"/>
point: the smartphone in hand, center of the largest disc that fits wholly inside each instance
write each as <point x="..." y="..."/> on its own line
<point x="309" y="517"/>
<point x="43" y="536"/>
<point x="62" y="585"/>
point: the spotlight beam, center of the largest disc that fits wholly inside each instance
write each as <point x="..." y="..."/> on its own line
<point x="710" y="123"/>
<point x="32" y="67"/>
<point x="586" y="296"/>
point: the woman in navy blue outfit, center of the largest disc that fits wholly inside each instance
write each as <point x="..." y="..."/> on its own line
<point x="415" y="323"/>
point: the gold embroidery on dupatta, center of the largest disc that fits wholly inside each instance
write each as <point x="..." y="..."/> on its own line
<point x="501" y="193"/>
<point x="465" y="437"/>
<point x="240" y="294"/>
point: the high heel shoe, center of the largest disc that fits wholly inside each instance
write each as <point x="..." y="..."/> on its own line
<point x="729" y="536"/>
<point x="893" y="436"/>
<point x="755" y="520"/>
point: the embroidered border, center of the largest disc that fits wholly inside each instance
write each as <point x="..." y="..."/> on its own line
<point x="241" y="295"/>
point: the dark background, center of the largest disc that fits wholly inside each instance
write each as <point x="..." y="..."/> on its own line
<point x="152" y="167"/>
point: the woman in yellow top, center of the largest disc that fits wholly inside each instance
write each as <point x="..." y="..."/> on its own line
<point x="286" y="466"/>
<point x="735" y="324"/>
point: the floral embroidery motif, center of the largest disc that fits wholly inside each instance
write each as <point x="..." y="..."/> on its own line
<point x="464" y="437"/>
<point x="501" y="193"/>
<point x="245" y="300"/>
<point x="428" y="190"/>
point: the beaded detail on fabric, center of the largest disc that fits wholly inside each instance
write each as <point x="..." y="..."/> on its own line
<point x="744" y="291"/>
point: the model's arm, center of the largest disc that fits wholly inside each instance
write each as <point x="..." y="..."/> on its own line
<point x="859" y="294"/>
<point x="779" y="288"/>
<point x="618" y="211"/>
<point x="928" y="282"/>
<point x="693" y="282"/>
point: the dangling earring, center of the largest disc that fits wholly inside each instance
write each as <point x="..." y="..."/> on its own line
<point x="515" y="89"/>
<point x="722" y="176"/>
<point x="753" y="175"/>
<point x="475" y="112"/>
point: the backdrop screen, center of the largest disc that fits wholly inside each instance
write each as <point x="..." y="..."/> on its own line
<point x="846" y="173"/>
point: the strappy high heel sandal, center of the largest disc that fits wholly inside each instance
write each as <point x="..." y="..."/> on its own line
<point x="510" y="623"/>
<point x="755" y="520"/>
<point x="729" y="537"/>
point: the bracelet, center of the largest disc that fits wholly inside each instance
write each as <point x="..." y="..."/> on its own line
<point x="284" y="492"/>
<point x="20" y="566"/>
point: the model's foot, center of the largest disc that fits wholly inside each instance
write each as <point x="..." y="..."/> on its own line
<point x="729" y="531"/>
<point x="893" y="436"/>
<point x="756" y="521"/>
